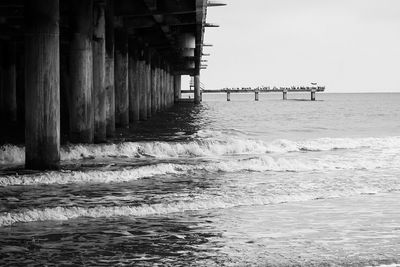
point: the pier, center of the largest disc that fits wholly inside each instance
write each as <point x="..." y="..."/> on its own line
<point x="82" y="68"/>
<point x="256" y="91"/>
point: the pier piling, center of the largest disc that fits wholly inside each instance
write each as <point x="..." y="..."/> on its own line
<point x="284" y="95"/>
<point x="133" y="84"/>
<point x="177" y="87"/>
<point x="256" y="96"/>
<point x="109" y="68"/>
<point x="142" y="86"/>
<point x="121" y="77"/>
<point x="9" y="90"/>
<point x="81" y="72"/>
<point x="228" y="96"/>
<point x="99" y="68"/>
<point x="42" y="68"/>
<point x="313" y="95"/>
<point x="197" y="89"/>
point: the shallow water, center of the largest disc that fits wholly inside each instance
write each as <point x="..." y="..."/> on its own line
<point x="268" y="183"/>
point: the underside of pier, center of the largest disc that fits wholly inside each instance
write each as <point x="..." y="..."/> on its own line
<point x="82" y="68"/>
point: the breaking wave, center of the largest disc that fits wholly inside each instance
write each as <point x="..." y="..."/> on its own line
<point x="204" y="147"/>
<point x="92" y="176"/>
<point x="261" y="163"/>
<point x="206" y="203"/>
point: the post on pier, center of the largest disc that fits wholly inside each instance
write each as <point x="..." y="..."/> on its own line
<point x="42" y="50"/>
<point x="159" y="85"/>
<point x="313" y="95"/>
<point x="121" y="76"/>
<point x="81" y="72"/>
<point x="228" y="96"/>
<point x="133" y="84"/>
<point x="148" y="55"/>
<point x="9" y="92"/>
<point x="142" y="75"/>
<point x="284" y="94"/>
<point x="109" y="69"/>
<point x="153" y="85"/>
<point x="99" y="68"/>
<point x="162" y="92"/>
<point x="197" y="89"/>
<point x="177" y="87"/>
<point x="256" y="95"/>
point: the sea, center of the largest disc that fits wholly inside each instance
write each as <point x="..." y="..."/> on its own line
<point x="239" y="183"/>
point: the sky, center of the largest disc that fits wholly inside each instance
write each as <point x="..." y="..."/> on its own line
<point x="346" y="45"/>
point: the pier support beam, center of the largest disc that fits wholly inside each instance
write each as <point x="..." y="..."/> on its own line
<point x="256" y="96"/>
<point x="284" y="95"/>
<point x="313" y="95"/>
<point x="81" y="70"/>
<point x="42" y="50"/>
<point x="159" y="86"/>
<point x="177" y="87"/>
<point x="148" y="82"/>
<point x="153" y="87"/>
<point x="228" y="96"/>
<point x="134" y="80"/>
<point x="197" y="89"/>
<point x="121" y="77"/>
<point x="109" y="69"/>
<point x="9" y="92"/>
<point x="99" y="91"/>
<point x="142" y="86"/>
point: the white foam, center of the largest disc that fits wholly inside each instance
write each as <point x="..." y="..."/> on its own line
<point x="208" y="147"/>
<point x="92" y="176"/>
<point x="205" y="202"/>
<point x="260" y="163"/>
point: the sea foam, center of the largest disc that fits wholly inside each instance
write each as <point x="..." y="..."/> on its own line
<point x="206" y="147"/>
<point x="206" y="203"/>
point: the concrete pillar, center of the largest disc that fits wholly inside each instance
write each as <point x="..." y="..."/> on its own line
<point x="197" y="89"/>
<point x="285" y="95"/>
<point x="121" y="78"/>
<point x="134" y="80"/>
<point x="177" y="87"/>
<point x="42" y="50"/>
<point x="256" y="96"/>
<point x="313" y="95"/>
<point x="99" y="68"/>
<point x="9" y="83"/>
<point x="81" y="70"/>
<point x="228" y="96"/>
<point x="109" y="75"/>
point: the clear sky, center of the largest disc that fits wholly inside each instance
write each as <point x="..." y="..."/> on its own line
<point x="347" y="45"/>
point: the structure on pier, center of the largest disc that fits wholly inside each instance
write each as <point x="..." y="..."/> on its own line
<point x="81" y="68"/>
<point x="312" y="89"/>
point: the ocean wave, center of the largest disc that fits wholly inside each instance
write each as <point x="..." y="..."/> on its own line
<point x="206" y="203"/>
<point x="92" y="176"/>
<point x="207" y="147"/>
<point x="261" y="163"/>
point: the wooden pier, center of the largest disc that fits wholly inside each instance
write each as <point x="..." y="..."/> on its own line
<point x="284" y="90"/>
<point x="82" y="68"/>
